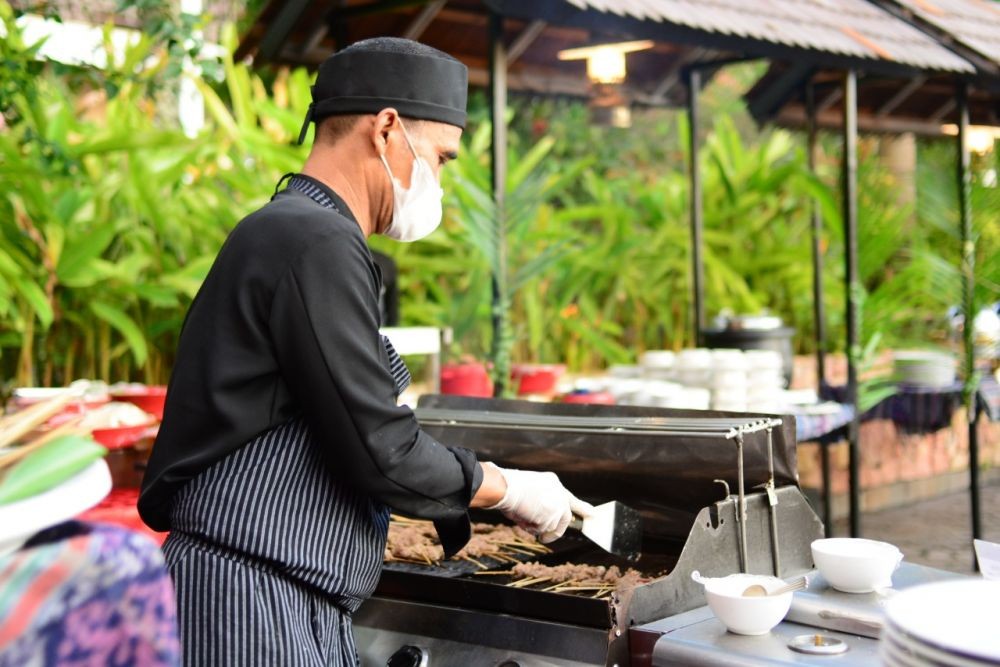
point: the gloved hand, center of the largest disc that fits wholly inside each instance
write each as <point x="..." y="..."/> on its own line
<point x="539" y="503"/>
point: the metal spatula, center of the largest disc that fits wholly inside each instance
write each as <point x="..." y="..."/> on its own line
<point x="614" y="527"/>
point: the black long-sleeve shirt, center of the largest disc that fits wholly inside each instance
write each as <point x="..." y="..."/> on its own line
<point x="286" y="323"/>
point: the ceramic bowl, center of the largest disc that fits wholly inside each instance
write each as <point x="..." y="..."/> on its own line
<point x="856" y="565"/>
<point x="746" y="615"/>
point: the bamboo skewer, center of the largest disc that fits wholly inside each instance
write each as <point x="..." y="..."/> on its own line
<point x="530" y="581"/>
<point x="16" y="426"/>
<point x="69" y="428"/>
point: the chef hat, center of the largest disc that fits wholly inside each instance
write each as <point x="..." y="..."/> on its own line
<point x="415" y="79"/>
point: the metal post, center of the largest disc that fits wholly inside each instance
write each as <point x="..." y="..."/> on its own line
<point x="498" y="180"/>
<point x="968" y="304"/>
<point x="697" y="267"/>
<point x="741" y="505"/>
<point x="853" y="288"/>
<point x="824" y="467"/>
<point x="819" y="315"/>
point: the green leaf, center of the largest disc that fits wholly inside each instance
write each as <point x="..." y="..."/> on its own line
<point x="36" y="298"/>
<point x="47" y="467"/>
<point x="75" y="266"/>
<point x="124" y="325"/>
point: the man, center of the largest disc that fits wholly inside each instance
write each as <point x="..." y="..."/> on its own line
<point x="282" y="447"/>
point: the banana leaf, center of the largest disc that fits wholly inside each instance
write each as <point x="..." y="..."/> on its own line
<point x="49" y="466"/>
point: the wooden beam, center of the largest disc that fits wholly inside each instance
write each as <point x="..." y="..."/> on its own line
<point x="423" y="19"/>
<point x="314" y="39"/>
<point x="943" y="110"/>
<point x="673" y="75"/>
<point x="900" y="96"/>
<point x="832" y="98"/>
<point x="528" y="81"/>
<point x="378" y="7"/>
<point x="525" y="39"/>
<point x="278" y="31"/>
<point x="779" y="90"/>
<point x="795" y="117"/>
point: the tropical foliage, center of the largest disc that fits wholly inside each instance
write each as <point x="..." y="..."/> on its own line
<point x="110" y="217"/>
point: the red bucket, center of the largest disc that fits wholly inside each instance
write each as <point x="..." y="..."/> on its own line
<point x="470" y="379"/>
<point x="536" y="378"/>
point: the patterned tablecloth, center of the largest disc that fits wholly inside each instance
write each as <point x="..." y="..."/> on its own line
<point x="913" y="409"/>
<point x="87" y="594"/>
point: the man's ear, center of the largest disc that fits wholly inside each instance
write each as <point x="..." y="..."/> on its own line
<point x="385" y="121"/>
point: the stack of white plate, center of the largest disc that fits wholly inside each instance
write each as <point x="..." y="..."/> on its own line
<point x="947" y="624"/>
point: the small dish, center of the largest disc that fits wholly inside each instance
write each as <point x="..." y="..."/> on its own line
<point x="745" y="615"/>
<point x="856" y="565"/>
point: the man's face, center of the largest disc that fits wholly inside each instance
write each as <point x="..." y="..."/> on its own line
<point x="437" y="143"/>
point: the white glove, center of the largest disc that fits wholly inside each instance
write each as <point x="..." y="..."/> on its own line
<point x="539" y="503"/>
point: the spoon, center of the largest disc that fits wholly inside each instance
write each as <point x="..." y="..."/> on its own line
<point x="758" y="591"/>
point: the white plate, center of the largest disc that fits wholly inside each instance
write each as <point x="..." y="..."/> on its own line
<point x="958" y="617"/>
<point x="891" y="654"/>
<point x="22" y="519"/>
<point x="924" y="654"/>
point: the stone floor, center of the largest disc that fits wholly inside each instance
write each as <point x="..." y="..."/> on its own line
<point x="935" y="532"/>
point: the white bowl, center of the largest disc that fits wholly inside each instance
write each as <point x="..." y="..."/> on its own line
<point x="742" y="615"/>
<point x="855" y="565"/>
<point x="658" y="359"/>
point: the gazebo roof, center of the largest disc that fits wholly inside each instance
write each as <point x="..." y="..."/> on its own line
<point x="921" y="104"/>
<point x="907" y="76"/>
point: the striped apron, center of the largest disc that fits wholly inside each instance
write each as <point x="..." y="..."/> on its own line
<point x="271" y="554"/>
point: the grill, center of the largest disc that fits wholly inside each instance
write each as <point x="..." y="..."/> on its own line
<point x="688" y="472"/>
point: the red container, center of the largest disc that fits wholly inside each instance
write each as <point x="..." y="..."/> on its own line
<point x="123" y="436"/>
<point x="150" y="399"/>
<point x="536" y="378"/>
<point x="589" y="398"/>
<point x="470" y="379"/>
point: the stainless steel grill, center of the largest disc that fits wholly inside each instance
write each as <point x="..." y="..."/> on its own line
<point x="677" y="467"/>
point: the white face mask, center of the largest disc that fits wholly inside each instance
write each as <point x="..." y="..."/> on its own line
<point x="416" y="211"/>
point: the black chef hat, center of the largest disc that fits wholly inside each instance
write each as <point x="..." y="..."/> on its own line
<point x="415" y="79"/>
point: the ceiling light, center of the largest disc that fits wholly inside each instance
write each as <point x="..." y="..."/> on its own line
<point x="605" y="62"/>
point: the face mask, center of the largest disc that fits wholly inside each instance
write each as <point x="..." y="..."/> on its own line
<point x="416" y="211"/>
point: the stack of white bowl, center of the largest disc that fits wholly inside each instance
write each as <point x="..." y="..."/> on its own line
<point x="765" y="381"/>
<point x="659" y="365"/>
<point x="944" y="624"/>
<point x="625" y="371"/>
<point x="729" y="380"/>
<point x="694" y="368"/>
